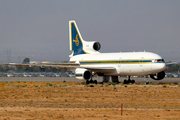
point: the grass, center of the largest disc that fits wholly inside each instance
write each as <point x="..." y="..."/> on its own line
<point x="114" y="84"/>
<point x="5" y="82"/>
<point x="164" y="86"/>
<point x="64" y="85"/>
<point x="48" y="84"/>
<point x="54" y="85"/>
<point x="35" y="85"/>
<point x="24" y="85"/>
<point x="109" y="83"/>
<point x="16" y="85"/>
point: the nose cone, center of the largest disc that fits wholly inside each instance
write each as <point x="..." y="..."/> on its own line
<point x="162" y="66"/>
<point x="158" y="67"/>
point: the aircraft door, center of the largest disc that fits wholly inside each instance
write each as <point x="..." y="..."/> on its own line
<point x="141" y="61"/>
<point x="119" y="63"/>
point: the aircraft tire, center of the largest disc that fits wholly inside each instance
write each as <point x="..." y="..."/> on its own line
<point x="129" y="81"/>
<point x="132" y="81"/>
<point x="95" y="81"/>
<point x="91" y="81"/>
<point x="125" y="81"/>
<point x="147" y="82"/>
<point x="87" y="81"/>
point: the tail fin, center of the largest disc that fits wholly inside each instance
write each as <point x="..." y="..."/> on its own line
<point x="78" y="45"/>
<point x="76" y="41"/>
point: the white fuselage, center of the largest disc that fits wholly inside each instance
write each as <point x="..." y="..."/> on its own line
<point x="125" y="63"/>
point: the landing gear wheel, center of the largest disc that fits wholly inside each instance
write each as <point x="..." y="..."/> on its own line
<point x="91" y="81"/>
<point x="129" y="81"/>
<point x="147" y="82"/>
<point x="133" y="81"/>
<point x="95" y="81"/>
<point x="87" y="81"/>
<point x="125" y="82"/>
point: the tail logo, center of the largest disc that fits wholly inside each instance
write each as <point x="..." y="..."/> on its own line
<point x="76" y="40"/>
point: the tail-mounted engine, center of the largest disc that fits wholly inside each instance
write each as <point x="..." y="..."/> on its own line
<point x="78" y="45"/>
<point x="91" y="47"/>
<point x="158" y="76"/>
<point x="82" y="74"/>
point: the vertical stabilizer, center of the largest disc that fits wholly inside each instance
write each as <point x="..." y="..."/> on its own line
<point x="76" y="41"/>
<point x="78" y="45"/>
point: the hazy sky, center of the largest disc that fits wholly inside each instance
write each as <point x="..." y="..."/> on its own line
<point x="38" y="29"/>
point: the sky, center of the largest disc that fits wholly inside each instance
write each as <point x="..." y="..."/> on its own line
<point x="39" y="29"/>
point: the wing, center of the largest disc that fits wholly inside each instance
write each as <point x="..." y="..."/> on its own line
<point x="64" y="66"/>
<point x="72" y="64"/>
<point x="52" y="65"/>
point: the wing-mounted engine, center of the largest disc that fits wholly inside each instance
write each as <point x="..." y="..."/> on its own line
<point x="82" y="74"/>
<point x="91" y="47"/>
<point x="158" y="76"/>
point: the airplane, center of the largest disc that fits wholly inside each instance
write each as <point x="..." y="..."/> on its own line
<point x="87" y="61"/>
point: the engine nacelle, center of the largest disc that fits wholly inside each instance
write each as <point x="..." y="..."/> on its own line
<point x="82" y="74"/>
<point x="158" y="76"/>
<point x="92" y="46"/>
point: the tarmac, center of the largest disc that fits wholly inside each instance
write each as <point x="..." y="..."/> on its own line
<point x="73" y="79"/>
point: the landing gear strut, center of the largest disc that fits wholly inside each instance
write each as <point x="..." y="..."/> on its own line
<point x="146" y="81"/>
<point x="129" y="81"/>
<point x="91" y="81"/>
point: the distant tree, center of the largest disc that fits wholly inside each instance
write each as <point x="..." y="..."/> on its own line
<point x="173" y="68"/>
<point x="24" y="69"/>
<point x="4" y="68"/>
<point x="26" y="61"/>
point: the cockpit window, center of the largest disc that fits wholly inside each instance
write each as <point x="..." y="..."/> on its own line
<point x="158" y="61"/>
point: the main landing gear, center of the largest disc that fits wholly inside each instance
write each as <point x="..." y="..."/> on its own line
<point x="91" y="81"/>
<point x="129" y="81"/>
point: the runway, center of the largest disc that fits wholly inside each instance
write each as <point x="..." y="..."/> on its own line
<point x="73" y="79"/>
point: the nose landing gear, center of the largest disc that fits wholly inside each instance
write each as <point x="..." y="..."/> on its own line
<point x="146" y="80"/>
